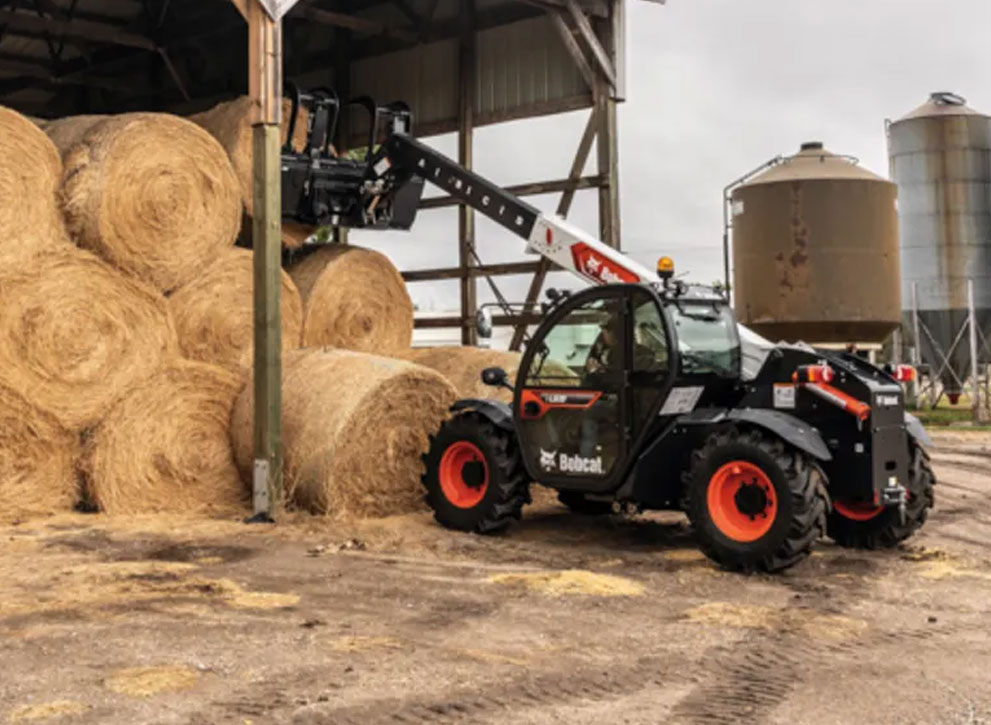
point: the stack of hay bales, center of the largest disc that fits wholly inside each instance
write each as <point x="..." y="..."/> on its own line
<point x="463" y="367"/>
<point x="126" y="333"/>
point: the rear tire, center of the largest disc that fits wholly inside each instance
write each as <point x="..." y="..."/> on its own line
<point x="578" y="503"/>
<point x="885" y="529"/>
<point x="474" y="477"/>
<point x="755" y="503"/>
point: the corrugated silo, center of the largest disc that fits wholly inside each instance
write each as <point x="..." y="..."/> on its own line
<point x="815" y="251"/>
<point x="940" y="156"/>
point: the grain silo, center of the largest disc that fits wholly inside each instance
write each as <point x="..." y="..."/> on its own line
<point x="940" y="156"/>
<point x="815" y="250"/>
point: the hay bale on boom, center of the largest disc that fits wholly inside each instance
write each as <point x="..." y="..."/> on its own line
<point x="30" y="175"/>
<point x="75" y="335"/>
<point x="354" y="428"/>
<point x="214" y="313"/>
<point x="355" y="299"/>
<point x="37" y="461"/>
<point x="153" y="194"/>
<point x="165" y="447"/>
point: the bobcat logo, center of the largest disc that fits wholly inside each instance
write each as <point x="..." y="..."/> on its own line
<point x="548" y="460"/>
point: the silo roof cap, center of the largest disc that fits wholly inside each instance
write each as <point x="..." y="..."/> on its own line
<point x="942" y="103"/>
<point x="815" y="161"/>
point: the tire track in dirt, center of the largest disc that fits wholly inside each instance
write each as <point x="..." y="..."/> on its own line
<point x="508" y="700"/>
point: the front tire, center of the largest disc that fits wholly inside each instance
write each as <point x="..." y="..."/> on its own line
<point x="755" y="503"/>
<point x="865" y="527"/>
<point x="474" y="477"/>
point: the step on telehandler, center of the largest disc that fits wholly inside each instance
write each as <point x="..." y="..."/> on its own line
<point x="642" y="392"/>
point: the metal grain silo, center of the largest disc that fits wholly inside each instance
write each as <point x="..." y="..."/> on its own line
<point x="940" y="157"/>
<point x="815" y="250"/>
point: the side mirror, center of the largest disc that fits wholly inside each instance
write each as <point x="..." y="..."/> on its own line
<point x="496" y="377"/>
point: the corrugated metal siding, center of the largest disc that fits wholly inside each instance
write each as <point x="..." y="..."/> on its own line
<point x="524" y="65"/>
<point x="522" y="68"/>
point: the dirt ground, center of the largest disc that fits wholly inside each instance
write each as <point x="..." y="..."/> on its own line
<point x="565" y="619"/>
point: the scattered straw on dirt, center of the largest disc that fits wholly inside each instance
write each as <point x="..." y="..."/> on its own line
<point x="166" y="447"/>
<point x="153" y="194"/>
<point x="214" y="312"/>
<point x="463" y="366"/>
<point x="747" y="616"/>
<point x="354" y="428"/>
<point x="37" y="461"/>
<point x="47" y="710"/>
<point x="364" y="644"/>
<point x="75" y="335"/>
<point x="353" y="299"/>
<point x="939" y="564"/>
<point x="30" y="174"/>
<point x="97" y="588"/>
<point x="149" y="681"/>
<point x="572" y="581"/>
<point x="238" y="598"/>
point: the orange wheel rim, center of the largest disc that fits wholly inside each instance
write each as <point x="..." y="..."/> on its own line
<point x="742" y="501"/>
<point x="464" y="474"/>
<point x="857" y="511"/>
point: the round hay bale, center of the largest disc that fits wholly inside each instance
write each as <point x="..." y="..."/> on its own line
<point x="152" y="194"/>
<point x="230" y="124"/>
<point x="214" y="313"/>
<point x="354" y="428"/>
<point x="463" y="367"/>
<point x="75" y="335"/>
<point x="353" y="298"/>
<point x="37" y="461"/>
<point x="30" y="174"/>
<point x="68" y="131"/>
<point x="165" y="446"/>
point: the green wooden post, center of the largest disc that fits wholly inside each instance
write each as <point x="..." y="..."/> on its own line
<point x="267" y="236"/>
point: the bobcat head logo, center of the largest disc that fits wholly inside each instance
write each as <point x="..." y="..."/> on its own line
<point x="548" y="460"/>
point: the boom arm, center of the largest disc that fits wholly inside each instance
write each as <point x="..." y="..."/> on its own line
<point x="402" y="158"/>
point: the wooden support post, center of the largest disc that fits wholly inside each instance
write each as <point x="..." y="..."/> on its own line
<point x="466" y="215"/>
<point x="608" y="144"/>
<point x="563" y="207"/>
<point x="265" y="84"/>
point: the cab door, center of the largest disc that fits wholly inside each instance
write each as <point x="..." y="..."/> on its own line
<point x="573" y="405"/>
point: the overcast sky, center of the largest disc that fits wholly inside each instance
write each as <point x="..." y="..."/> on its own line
<point x="716" y="87"/>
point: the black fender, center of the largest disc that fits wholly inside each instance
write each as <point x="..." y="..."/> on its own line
<point x="495" y="411"/>
<point x="917" y="431"/>
<point x="787" y="427"/>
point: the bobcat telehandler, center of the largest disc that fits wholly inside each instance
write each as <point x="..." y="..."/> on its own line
<point x="641" y="392"/>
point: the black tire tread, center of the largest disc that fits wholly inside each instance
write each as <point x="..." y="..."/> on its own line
<point x="506" y="473"/>
<point x="808" y="493"/>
